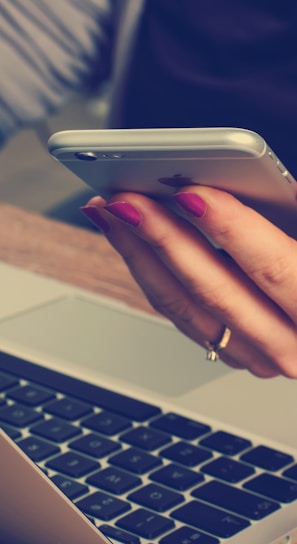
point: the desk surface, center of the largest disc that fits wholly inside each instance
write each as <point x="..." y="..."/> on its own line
<point x="70" y="254"/>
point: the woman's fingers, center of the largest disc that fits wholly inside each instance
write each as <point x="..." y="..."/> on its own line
<point x="266" y="254"/>
<point x="161" y="249"/>
<point x="161" y="287"/>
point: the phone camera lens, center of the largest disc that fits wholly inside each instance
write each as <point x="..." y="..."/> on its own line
<point x="86" y="156"/>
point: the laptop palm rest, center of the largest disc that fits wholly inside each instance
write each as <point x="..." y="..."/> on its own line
<point x="114" y="341"/>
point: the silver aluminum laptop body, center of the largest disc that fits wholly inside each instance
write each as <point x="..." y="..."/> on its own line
<point x="64" y="328"/>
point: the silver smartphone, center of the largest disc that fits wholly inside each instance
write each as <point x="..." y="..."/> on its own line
<point x="157" y="162"/>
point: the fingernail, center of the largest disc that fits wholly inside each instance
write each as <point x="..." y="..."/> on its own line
<point x="191" y="203"/>
<point x="92" y="213"/>
<point x="124" y="211"/>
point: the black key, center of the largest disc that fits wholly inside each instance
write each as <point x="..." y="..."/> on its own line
<point x="273" y="487"/>
<point x="215" y="521"/>
<point x="19" y="415"/>
<point x="236" y="500"/>
<point x="13" y="433"/>
<point x="180" y="426"/>
<point x="107" y="423"/>
<point x="95" y="445"/>
<point x="37" y="449"/>
<point x="114" y="480"/>
<point x="118" y="535"/>
<point x="267" y="458"/>
<point x="228" y="469"/>
<point x="156" y="497"/>
<point x="7" y="381"/>
<point x="136" y="461"/>
<point x="145" y="438"/>
<point x="186" y="454"/>
<point x="177" y="477"/>
<point x="31" y="395"/>
<point x="291" y="472"/>
<point x="72" y="464"/>
<point x="68" y="408"/>
<point x="70" y="488"/>
<point x="226" y="443"/>
<point x="186" y="535"/>
<point x="56" y="430"/>
<point x="102" y="506"/>
<point x="145" y="524"/>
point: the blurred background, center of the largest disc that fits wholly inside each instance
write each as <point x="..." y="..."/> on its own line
<point x="31" y="179"/>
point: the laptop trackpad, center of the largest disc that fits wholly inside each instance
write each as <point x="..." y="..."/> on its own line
<point x="113" y="340"/>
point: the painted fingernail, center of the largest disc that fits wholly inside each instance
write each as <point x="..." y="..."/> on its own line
<point x="125" y="211"/>
<point x="191" y="203"/>
<point x="92" y="213"/>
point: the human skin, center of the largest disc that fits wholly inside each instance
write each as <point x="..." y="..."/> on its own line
<point x="251" y="286"/>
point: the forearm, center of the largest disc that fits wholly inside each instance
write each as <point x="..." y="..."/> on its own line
<point x="48" y="51"/>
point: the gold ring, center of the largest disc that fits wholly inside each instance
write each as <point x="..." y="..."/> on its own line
<point x="212" y="353"/>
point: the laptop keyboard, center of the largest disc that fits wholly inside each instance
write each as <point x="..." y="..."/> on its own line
<point x="139" y="473"/>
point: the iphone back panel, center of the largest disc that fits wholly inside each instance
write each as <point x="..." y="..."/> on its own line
<point x="157" y="162"/>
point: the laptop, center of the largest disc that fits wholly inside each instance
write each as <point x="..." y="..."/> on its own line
<point x="115" y="428"/>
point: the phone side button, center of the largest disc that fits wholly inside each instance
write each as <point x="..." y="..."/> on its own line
<point x="284" y="172"/>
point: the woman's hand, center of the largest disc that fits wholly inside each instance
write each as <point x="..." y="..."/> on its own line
<point x="250" y="288"/>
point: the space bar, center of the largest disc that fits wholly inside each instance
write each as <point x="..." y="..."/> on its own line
<point x="92" y="394"/>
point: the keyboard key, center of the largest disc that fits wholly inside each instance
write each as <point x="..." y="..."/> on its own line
<point x="118" y="535"/>
<point x="176" y="477"/>
<point x="7" y="381"/>
<point x="114" y="480"/>
<point x="273" y="487"/>
<point x="102" y="506"/>
<point x="145" y="524"/>
<point x="19" y="415"/>
<point x="156" y="497"/>
<point x="37" y="449"/>
<point x="113" y="402"/>
<point x="236" y="500"/>
<point x="70" y="488"/>
<point x="67" y="408"/>
<point x="186" y="454"/>
<point x="267" y="458"/>
<point x="31" y="395"/>
<point x="186" y="535"/>
<point x="226" y="443"/>
<point x="228" y="469"/>
<point x="73" y="464"/>
<point x="180" y="426"/>
<point x="212" y="520"/>
<point x="291" y="472"/>
<point x="13" y="433"/>
<point x="56" y="430"/>
<point x="95" y="445"/>
<point x="136" y="461"/>
<point x="145" y="438"/>
<point x="106" y="423"/>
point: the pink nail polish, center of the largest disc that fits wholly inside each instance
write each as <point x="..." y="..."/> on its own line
<point x="93" y="214"/>
<point x="191" y="203"/>
<point x="124" y="211"/>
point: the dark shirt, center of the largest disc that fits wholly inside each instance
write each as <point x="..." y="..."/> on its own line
<point x="218" y="63"/>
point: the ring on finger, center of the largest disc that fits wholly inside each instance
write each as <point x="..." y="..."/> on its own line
<point x="213" y="349"/>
